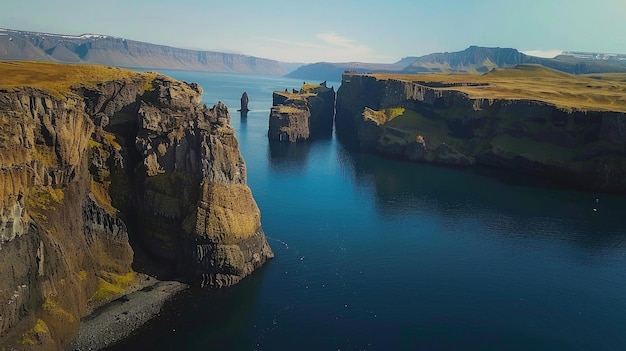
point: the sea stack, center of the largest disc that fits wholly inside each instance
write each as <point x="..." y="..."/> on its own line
<point x="244" y="103"/>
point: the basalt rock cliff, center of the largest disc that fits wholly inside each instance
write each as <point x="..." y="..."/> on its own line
<point x="581" y="148"/>
<point x="80" y="167"/>
<point x="304" y="114"/>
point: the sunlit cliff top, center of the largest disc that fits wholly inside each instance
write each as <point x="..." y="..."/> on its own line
<point x="59" y="78"/>
<point x="605" y="92"/>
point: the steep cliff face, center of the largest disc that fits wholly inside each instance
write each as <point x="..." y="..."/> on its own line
<point x="79" y="167"/>
<point x="59" y="247"/>
<point x="194" y="206"/>
<point x="300" y="115"/>
<point x="413" y="121"/>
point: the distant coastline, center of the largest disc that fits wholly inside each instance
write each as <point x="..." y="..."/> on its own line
<point x="113" y="51"/>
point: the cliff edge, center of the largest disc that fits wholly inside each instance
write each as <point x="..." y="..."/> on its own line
<point x="302" y="114"/>
<point x="87" y="152"/>
<point x="571" y="129"/>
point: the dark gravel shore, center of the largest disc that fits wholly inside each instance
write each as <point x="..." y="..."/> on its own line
<point x="118" y="319"/>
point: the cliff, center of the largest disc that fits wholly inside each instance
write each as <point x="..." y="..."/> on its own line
<point x="87" y="152"/>
<point x="113" y="51"/>
<point x="529" y="119"/>
<point x="301" y="115"/>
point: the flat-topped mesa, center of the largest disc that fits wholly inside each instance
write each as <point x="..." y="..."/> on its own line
<point x="302" y="114"/>
<point x="87" y="152"/>
<point x="571" y="129"/>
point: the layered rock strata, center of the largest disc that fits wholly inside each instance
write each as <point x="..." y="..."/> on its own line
<point x="302" y="114"/>
<point x="78" y="168"/>
<point x="584" y="149"/>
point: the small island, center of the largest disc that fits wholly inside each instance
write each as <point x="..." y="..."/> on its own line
<point x="302" y="114"/>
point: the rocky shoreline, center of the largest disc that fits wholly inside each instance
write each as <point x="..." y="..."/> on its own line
<point x="118" y="319"/>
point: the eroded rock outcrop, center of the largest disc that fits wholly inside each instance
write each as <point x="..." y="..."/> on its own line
<point x="78" y="168"/>
<point x="244" y="103"/>
<point x="195" y="207"/>
<point x="301" y="115"/>
<point x="413" y="121"/>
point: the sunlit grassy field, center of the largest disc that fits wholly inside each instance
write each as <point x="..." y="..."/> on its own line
<point x="586" y="92"/>
<point x="58" y="78"/>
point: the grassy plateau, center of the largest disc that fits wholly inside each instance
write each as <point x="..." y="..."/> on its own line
<point x="600" y="92"/>
<point x="58" y="78"/>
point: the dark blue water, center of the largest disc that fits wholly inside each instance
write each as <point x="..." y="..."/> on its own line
<point x="373" y="254"/>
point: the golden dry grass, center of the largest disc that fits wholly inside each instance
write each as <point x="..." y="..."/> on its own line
<point x="102" y="198"/>
<point x="384" y="116"/>
<point x="310" y="86"/>
<point x="31" y="336"/>
<point x="603" y="92"/>
<point x="43" y="198"/>
<point x="112" y="284"/>
<point x="59" y="312"/>
<point x="289" y="109"/>
<point x="295" y="96"/>
<point x="58" y="78"/>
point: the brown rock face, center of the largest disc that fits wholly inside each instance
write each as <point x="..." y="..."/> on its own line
<point x="77" y="170"/>
<point x="301" y="115"/>
<point x="582" y="149"/>
<point x="57" y="243"/>
<point x="290" y="122"/>
<point x="193" y="178"/>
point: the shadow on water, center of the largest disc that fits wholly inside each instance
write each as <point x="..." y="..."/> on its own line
<point x="288" y="157"/>
<point x="201" y="319"/>
<point x="515" y="205"/>
<point x="243" y="122"/>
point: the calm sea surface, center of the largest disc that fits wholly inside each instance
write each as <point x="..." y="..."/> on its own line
<point x="373" y="254"/>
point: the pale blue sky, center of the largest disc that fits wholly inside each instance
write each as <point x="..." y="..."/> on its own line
<point x="326" y="30"/>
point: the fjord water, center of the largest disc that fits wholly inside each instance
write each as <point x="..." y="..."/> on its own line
<point x="375" y="254"/>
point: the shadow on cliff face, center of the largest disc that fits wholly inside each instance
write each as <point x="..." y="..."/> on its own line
<point x="123" y="189"/>
<point x="513" y="205"/>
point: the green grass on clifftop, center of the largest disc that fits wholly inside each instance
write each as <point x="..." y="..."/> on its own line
<point x="57" y="78"/>
<point x="601" y="92"/>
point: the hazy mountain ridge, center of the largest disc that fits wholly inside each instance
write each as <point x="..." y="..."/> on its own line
<point x="474" y="59"/>
<point x="332" y="71"/>
<point x="114" y="51"/>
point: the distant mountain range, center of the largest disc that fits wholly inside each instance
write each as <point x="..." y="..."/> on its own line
<point x="474" y="59"/>
<point x="113" y="51"/>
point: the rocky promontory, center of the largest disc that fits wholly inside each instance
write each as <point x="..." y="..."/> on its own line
<point x="92" y="155"/>
<point x="302" y="114"/>
<point x="530" y="119"/>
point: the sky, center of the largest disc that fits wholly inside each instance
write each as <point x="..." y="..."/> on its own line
<point x="336" y="30"/>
